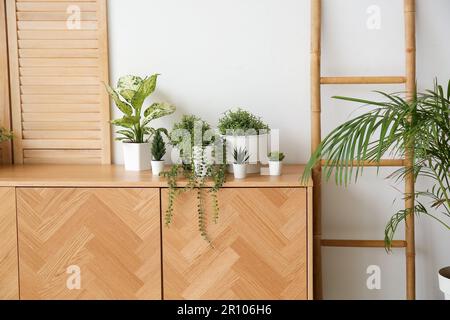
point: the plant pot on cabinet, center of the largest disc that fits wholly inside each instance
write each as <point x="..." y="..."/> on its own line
<point x="240" y="171"/>
<point x="157" y="167"/>
<point x="275" y="168"/>
<point x="257" y="146"/>
<point x="202" y="158"/>
<point x="137" y="156"/>
<point x="444" y="282"/>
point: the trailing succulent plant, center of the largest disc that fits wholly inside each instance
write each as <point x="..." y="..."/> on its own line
<point x="158" y="145"/>
<point x="129" y="97"/>
<point x="184" y="137"/>
<point x="241" y="122"/>
<point x="240" y="156"/>
<point x="276" y="156"/>
<point x="5" y="135"/>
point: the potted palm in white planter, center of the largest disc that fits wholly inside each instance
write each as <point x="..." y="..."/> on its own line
<point x="135" y="132"/>
<point x="276" y="163"/>
<point x="158" y="152"/>
<point x="242" y="129"/>
<point x="241" y="157"/>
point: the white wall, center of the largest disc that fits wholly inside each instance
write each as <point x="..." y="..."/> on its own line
<point x="218" y="54"/>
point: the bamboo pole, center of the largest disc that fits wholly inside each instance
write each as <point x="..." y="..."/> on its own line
<point x="343" y="243"/>
<point x="410" y="31"/>
<point x="362" y="80"/>
<point x="316" y="16"/>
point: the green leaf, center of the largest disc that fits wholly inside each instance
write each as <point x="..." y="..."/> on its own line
<point x="158" y="110"/>
<point x="146" y="88"/>
<point x="126" y="122"/>
<point x="123" y="106"/>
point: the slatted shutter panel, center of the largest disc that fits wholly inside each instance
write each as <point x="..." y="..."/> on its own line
<point x="60" y="110"/>
<point x="5" y="121"/>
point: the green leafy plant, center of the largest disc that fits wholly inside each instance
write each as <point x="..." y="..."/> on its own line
<point x="241" y="122"/>
<point x="276" y="156"/>
<point x="129" y="97"/>
<point x="240" y="156"/>
<point x="189" y="132"/>
<point x="158" y="145"/>
<point x="394" y="128"/>
<point x="5" y="135"/>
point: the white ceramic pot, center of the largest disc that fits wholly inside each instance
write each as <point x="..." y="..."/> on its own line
<point x="157" y="167"/>
<point x="275" y="168"/>
<point x="240" y="171"/>
<point x="444" y="282"/>
<point x="137" y="156"/>
<point x="256" y="145"/>
<point x="202" y="157"/>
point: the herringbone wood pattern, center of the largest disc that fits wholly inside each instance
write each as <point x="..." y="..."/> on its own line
<point x="259" y="247"/>
<point x="9" y="286"/>
<point x="113" y="235"/>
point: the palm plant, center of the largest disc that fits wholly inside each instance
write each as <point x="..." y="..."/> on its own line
<point x="391" y="129"/>
<point x="129" y="97"/>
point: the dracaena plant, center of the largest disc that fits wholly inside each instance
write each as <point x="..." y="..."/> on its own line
<point x="129" y="97"/>
<point x="394" y="126"/>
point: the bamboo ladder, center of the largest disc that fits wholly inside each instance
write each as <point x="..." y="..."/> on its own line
<point x="316" y="81"/>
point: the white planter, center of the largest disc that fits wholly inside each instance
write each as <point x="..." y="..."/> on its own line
<point x="157" y="167"/>
<point x="444" y="282"/>
<point x="137" y="156"/>
<point x="275" y="168"/>
<point x="202" y="157"/>
<point x="240" y="171"/>
<point x="256" y="145"/>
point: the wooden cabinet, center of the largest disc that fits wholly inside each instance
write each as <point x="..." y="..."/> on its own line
<point x="77" y="243"/>
<point x="258" y="248"/>
<point x="97" y="232"/>
<point x="9" y="286"/>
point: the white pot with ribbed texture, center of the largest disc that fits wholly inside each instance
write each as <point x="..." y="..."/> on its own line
<point x="137" y="156"/>
<point x="444" y="282"/>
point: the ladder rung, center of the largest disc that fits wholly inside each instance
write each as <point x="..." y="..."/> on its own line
<point x="362" y="243"/>
<point x="362" y="80"/>
<point x="382" y="163"/>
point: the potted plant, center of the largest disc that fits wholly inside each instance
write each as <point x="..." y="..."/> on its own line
<point x="242" y="129"/>
<point x="241" y="157"/>
<point x="135" y="132"/>
<point x="194" y="140"/>
<point x="394" y="128"/>
<point x="158" y="152"/>
<point x="276" y="163"/>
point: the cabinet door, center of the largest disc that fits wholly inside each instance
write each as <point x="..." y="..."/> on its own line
<point x="258" y="249"/>
<point x="9" y="273"/>
<point x="89" y="243"/>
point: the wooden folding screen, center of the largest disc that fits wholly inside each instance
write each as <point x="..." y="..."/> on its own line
<point x="58" y="57"/>
<point x="5" y="121"/>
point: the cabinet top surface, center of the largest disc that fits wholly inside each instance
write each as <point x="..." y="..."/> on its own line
<point x="116" y="176"/>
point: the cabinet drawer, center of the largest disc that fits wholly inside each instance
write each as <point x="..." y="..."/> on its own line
<point x="80" y="243"/>
<point x="258" y="249"/>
